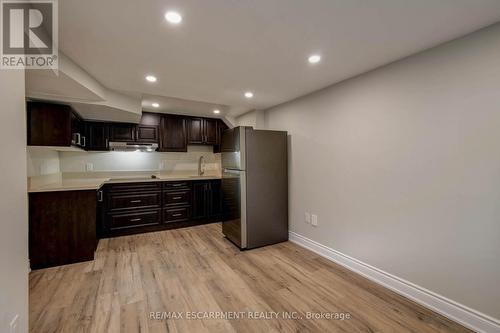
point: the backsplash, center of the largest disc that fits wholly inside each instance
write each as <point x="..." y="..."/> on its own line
<point x="46" y="162"/>
<point x="42" y="162"/>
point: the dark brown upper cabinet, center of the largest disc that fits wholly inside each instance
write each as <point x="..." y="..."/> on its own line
<point x="58" y="125"/>
<point x="148" y="129"/>
<point x="78" y="136"/>
<point x="52" y="124"/>
<point x="195" y="130"/>
<point x="121" y="132"/>
<point x="97" y="134"/>
<point x="202" y="131"/>
<point x="173" y="134"/>
<point x="210" y="131"/>
<point x="147" y="134"/>
<point x="221" y="127"/>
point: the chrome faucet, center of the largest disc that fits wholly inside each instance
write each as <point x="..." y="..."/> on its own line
<point x="201" y="165"/>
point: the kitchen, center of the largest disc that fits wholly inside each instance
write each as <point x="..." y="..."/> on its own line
<point x="71" y="211"/>
<point x="235" y="166"/>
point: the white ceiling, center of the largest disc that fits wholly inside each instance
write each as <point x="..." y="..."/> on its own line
<point x="225" y="47"/>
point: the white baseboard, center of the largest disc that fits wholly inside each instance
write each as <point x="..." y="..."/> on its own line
<point x="462" y="314"/>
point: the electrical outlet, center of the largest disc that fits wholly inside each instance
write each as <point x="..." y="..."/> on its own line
<point x="14" y="326"/>
<point x="89" y="167"/>
<point x="307" y="218"/>
<point x="161" y="165"/>
<point x="314" y="220"/>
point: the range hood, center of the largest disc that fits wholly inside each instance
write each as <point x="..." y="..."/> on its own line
<point x="135" y="146"/>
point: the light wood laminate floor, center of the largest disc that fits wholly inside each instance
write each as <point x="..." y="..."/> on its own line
<point x="198" y="271"/>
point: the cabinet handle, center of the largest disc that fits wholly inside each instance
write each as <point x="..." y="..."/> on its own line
<point x="135" y="220"/>
<point x="175" y="215"/>
<point x="78" y="139"/>
<point x="135" y="201"/>
<point x="84" y="139"/>
<point x="99" y="196"/>
<point x="176" y="198"/>
<point x="177" y="185"/>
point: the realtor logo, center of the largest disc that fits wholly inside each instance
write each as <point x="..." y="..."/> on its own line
<point x="29" y="34"/>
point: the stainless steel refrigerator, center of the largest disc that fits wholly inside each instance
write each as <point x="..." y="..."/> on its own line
<point x="254" y="186"/>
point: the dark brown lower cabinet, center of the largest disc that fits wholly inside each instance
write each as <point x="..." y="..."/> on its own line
<point x="62" y="227"/>
<point x="130" y="208"/>
<point x="207" y="200"/>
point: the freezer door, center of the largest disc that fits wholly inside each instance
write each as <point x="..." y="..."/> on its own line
<point x="234" y="206"/>
<point x="233" y="149"/>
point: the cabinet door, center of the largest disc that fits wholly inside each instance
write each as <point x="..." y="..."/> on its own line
<point x="48" y="124"/>
<point x="148" y="129"/>
<point x="146" y="133"/>
<point x="195" y="130"/>
<point x="97" y="136"/>
<point x="221" y="127"/>
<point x="173" y="133"/>
<point x="215" y="195"/>
<point x="77" y="130"/>
<point x="122" y="132"/>
<point x="200" y="200"/>
<point x="210" y="131"/>
<point x="151" y="119"/>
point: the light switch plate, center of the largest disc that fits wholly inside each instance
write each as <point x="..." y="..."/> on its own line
<point x="307" y="218"/>
<point x="314" y="220"/>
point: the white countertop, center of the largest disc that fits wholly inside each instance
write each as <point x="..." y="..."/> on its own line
<point x="77" y="184"/>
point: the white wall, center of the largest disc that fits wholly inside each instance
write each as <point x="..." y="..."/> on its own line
<point x="402" y="166"/>
<point x="140" y="161"/>
<point x="254" y="118"/>
<point x="13" y="202"/>
<point x="247" y="119"/>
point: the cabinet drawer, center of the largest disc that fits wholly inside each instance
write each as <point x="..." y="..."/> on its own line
<point x="176" y="214"/>
<point x="134" y="201"/>
<point x="176" y="185"/>
<point x="177" y="198"/>
<point x="134" y="187"/>
<point x="129" y="220"/>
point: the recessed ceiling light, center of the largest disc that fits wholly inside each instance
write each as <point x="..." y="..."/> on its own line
<point x="155" y="105"/>
<point x="314" y="59"/>
<point x="173" y="17"/>
<point x="151" y="78"/>
<point x="249" y="94"/>
<point x="216" y="111"/>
